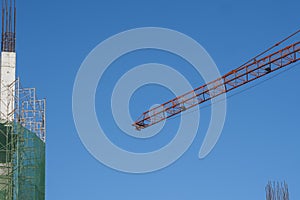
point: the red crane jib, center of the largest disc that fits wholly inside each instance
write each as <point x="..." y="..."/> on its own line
<point x="234" y="79"/>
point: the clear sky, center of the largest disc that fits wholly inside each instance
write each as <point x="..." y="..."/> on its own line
<point x="260" y="140"/>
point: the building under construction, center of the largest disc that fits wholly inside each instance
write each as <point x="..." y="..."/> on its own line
<point x="22" y="124"/>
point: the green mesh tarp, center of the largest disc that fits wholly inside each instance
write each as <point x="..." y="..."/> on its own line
<point x="6" y="137"/>
<point x="31" y="166"/>
<point x="27" y="160"/>
<point x="3" y="143"/>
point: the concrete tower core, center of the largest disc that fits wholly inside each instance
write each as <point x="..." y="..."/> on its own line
<point x="8" y="61"/>
<point x="7" y="88"/>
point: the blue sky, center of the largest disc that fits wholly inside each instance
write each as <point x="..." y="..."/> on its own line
<point x="260" y="139"/>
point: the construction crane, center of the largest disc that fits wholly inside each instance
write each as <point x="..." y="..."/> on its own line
<point x="255" y="68"/>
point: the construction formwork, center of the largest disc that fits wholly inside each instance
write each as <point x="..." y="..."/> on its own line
<point x="22" y="148"/>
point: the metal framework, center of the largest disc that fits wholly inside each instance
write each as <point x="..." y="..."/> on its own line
<point x="7" y="150"/>
<point x="31" y="111"/>
<point x="9" y="12"/>
<point x="277" y="191"/>
<point x="252" y="70"/>
<point x="21" y="154"/>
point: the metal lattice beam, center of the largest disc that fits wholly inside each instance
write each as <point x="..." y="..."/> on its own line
<point x="249" y="72"/>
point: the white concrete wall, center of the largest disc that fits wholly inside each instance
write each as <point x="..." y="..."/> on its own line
<point x="7" y="87"/>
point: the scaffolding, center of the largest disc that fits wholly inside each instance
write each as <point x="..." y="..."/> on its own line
<point x="31" y="111"/>
<point x="277" y="191"/>
<point x="8" y="145"/>
<point x="7" y="150"/>
<point x="22" y="146"/>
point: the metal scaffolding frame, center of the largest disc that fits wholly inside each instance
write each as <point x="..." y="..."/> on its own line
<point x="7" y="146"/>
<point x="22" y="145"/>
<point x="31" y="111"/>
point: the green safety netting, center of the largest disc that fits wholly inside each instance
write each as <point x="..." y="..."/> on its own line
<point x="22" y="164"/>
